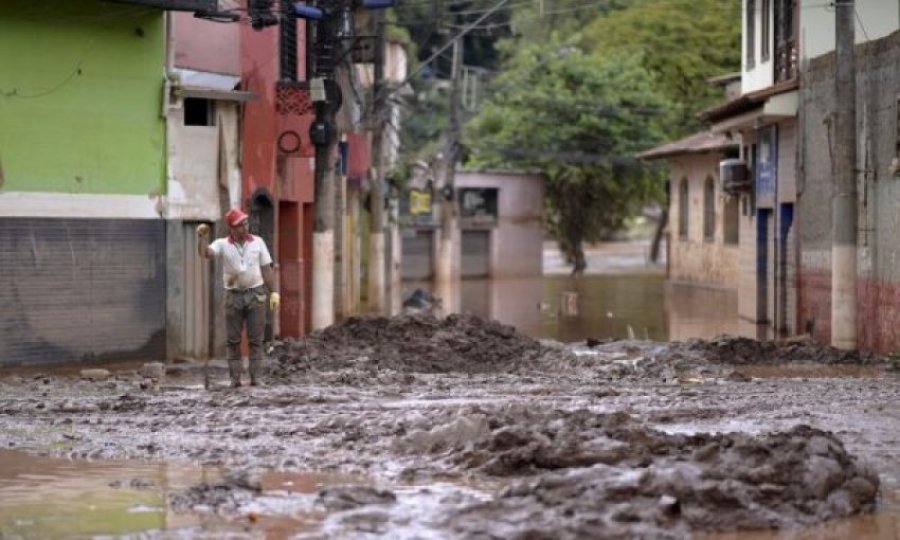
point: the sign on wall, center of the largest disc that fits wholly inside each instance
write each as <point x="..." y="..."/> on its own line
<point x="767" y="167"/>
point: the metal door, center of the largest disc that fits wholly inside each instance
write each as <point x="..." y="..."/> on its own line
<point x="418" y="255"/>
<point x="476" y="254"/>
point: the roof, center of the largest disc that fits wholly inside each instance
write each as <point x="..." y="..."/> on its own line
<point x="698" y="143"/>
<point x="207" y="85"/>
<point x="725" y="78"/>
<point x="746" y="102"/>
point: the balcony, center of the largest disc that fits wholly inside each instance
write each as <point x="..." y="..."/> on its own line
<point x="786" y="60"/>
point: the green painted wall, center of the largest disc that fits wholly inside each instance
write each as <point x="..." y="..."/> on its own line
<point x="80" y="97"/>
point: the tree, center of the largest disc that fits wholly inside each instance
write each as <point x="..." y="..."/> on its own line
<point x="681" y="42"/>
<point x="576" y="119"/>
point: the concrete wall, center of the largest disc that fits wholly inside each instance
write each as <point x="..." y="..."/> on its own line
<point x="206" y="45"/>
<point x="875" y="20"/>
<point x="516" y="242"/>
<point x="200" y="159"/>
<point x="695" y="259"/>
<point x="80" y="95"/>
<point x="879" y="196"/>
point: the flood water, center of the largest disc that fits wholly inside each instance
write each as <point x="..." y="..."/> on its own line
<point x="567" y="309"/>
<point x="43" y="497"/>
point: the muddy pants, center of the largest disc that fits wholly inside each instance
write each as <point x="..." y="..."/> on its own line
<point x="245" y="306"/>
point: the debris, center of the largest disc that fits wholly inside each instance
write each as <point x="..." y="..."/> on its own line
<point x="95" y="375"/>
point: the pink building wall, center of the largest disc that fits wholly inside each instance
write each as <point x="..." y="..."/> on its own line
<point x="205" y="45"/>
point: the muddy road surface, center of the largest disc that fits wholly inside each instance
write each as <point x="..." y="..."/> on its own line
<point x="462" y="428"/>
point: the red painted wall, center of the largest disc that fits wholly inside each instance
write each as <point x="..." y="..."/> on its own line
<point x="878" y="317"/>
<point x="286" y="176"/>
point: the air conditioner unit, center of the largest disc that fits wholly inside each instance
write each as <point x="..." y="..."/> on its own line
<point x="734" y="176"/>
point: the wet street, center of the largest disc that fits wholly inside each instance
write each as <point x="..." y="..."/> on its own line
<point x="415" y="428"/>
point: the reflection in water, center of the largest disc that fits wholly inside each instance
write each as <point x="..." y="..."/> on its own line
<point x="642" y="306"/>
<point x="59" y="498"/>
<point x="53" y="498"/>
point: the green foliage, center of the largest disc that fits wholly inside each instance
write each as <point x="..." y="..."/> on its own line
<point x="682" y="42"/>
<point x="575" y="118"/>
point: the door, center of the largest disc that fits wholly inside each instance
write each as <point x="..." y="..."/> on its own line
<point x="196" y="300"/>
<point x="476" y="254"/>
<point x="418" y="255"/>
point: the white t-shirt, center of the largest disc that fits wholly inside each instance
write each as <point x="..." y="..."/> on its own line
<point x="242" y="265"/>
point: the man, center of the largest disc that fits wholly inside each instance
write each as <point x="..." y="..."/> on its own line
<point x="249" y="276"/>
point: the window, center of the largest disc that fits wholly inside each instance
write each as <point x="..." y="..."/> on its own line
<point x="288" y="47"/>
<point x="199" y="112"/>
<point x="709" y="209"/>
<point x="785" y="40"/>
<point x="683" y="209"/>
<point x="732" y="221"/>
<point x="765" y="30"/>
<point x="750" y="30"/>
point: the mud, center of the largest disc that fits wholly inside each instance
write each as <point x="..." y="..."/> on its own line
<point x="740" y="350"/>
<point x="414" y="343"/>
<point x="527" y="439"/>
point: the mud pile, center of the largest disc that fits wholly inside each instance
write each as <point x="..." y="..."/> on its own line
<point x="606" y="476"/>
<point x="414" y="344"/>
<point x="734" y="350"/>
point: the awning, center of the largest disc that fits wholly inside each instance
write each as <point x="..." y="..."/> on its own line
<point x="207" y="85"/>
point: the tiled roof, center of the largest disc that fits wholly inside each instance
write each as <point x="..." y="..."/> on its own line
<point x="698" y="143"/>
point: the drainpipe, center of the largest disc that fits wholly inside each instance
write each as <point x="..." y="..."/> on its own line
<point x="844" y="210"/>
<point x="170" y="64"/>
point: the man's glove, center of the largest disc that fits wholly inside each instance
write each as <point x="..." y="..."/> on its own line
<point x="203" y="229"/>
<point x="274" y="301"/>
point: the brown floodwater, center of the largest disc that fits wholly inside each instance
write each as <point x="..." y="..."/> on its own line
<point x="616" y="306"/>
<point x="43" y="497"/>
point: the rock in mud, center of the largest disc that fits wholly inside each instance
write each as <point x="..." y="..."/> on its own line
<point x="339" y="498"/>
<point x="96" y="375"/>
<point x="153" y="370"/>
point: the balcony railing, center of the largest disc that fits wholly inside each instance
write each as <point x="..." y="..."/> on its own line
<point x="786" y="61"/>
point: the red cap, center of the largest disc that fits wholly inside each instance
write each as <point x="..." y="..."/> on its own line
<point x="235" y="217"/>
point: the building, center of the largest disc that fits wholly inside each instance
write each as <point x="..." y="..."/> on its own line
<point x="278" y="160"/>
<point x="203" y="105"/>
<point x="83" y="182"/>
<point x="764" y="119"/>
<point x="878" y="193"/>
<point x="500" y="217"/>
<point x="703" y="235"/>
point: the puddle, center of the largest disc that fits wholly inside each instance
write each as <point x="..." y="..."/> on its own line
<point x="46" y="498"/>
<point x="882" y="525"/>
<point x="51" y="498"/>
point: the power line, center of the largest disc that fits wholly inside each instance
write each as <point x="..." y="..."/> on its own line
<point x="447" y="45"/>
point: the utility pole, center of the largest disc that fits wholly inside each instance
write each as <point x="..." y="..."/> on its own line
<point x="326" y="99"/>
<point x="447" y="271"/>
<point x="844" y="201"/>
<point x="376" y="279"/>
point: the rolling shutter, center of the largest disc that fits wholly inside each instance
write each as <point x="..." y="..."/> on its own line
<point x="77" y="290"/>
